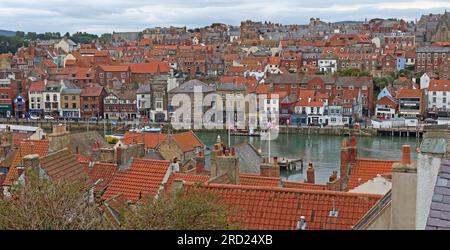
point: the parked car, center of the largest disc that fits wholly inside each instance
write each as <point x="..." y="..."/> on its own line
<point x="34" y="117"/>
<point x="49" y="117"/>
<point x="93" y="119"/>
<point x="430" y="121"/>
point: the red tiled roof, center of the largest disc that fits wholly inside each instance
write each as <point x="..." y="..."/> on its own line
<point x="367" y="169"/>
<point x="256" y="180"/>
<point x="187" y="141"/>
<point x="102" y="172"/>
<point x="18" y="137"/>
<point x="91" y="91"/>
<point x="37" y="86"/>
<point x="439" y="85"/>
<point x="409" y="93"/>
<point x="386" y="101"/>
<point x="26" y="147"/>
<point x="303" y="185"/>
<point x="274" y="208"/>
<point x="114" y="68"/>
<point x="150" y="140"/>
<point x="143" y="178"/>
<point x="63" y="166"/>
<point x="149" y="68"/>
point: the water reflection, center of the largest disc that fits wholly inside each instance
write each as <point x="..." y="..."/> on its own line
<point x="323" y="151"/>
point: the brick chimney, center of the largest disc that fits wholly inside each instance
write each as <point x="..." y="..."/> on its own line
<point x="353" y="150"/>
<point x="217" y="150"/>
<point x="345" y="159"/>
<point x="404" y="192"/>
<point x="310" y="175"/>
<point x="200" y="162"/>
<point x="406" y="154"/>
<point x="270" y="169"/>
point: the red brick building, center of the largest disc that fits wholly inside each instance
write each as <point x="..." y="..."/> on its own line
<point x="91" y="101"/>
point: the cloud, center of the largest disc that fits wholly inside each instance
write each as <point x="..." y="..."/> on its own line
<point x="113" y="15"/>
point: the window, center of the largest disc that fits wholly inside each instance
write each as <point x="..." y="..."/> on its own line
<point x="66" y="97"/>
<point x="101" y="75"/>
<point x="74" y="98"/>
<point x="55" y="98"/>
<point x="434" y="99"/>
<point x="47" y="97"/>
<point x="434" y="92"/>
<point x="74" y="105"/>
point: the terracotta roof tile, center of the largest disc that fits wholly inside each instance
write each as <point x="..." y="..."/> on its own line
<point x="274" y="208"/>
<point x="101" y="172"/>
<point x="303" y="185"/>
<point x="187" y="141"/>
<point x="143" y="178"/>
<point x="26" y="147"/>
<point x="150" y="140"/>
<point x="367" y="169"/>
<point x="63" y="166"/>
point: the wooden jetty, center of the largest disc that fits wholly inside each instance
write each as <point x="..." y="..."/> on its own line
<point x="290" y="164"/>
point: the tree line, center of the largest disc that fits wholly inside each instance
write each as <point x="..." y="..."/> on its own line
<point x="13" y="43"/>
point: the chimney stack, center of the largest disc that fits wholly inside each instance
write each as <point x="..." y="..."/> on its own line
<point x="29" y="161"/>
<point x="404" y="190"/>
<point x="406" y="154"/>
<point x="217" y="151"/>
<point x="200" y="162"/>
<point x="270" y="169"/>
<point x="345" y="159"/>
<point x="227" y="164"/>
<point x="310" y="175"/>
<point x="59" y="138"/>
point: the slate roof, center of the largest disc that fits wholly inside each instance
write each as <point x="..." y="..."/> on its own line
<point x="439" y="217"/>
<point x="188" y="87"/>
<point x="249" y="158"/>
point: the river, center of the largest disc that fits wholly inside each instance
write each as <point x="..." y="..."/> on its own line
<point x="322" y="150"/>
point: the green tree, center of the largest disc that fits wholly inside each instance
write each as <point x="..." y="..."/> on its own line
<point x="31" y="36"/>
<point x="105" y="38"/>
<point x="20" y="34"/>
<point x="193" y="210"/>
<point x="41" y="204"/>
<point x="83" y="37"/>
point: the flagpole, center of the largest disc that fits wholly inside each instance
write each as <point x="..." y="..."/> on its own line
<point x="270" y="160"/>
<point x="229" y="136"/>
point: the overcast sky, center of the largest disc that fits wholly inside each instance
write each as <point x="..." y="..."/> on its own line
<point x="98" y="16"/>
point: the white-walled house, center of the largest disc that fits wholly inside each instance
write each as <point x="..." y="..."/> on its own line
<point x="327" y="65"/>
<point x="424" y="81"/>
<point x="66" y="45"/>
<point x="439" y="95"/>
<point x="386" y="107"/>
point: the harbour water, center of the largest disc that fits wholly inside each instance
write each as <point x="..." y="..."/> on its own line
<point x="322" y="150"/>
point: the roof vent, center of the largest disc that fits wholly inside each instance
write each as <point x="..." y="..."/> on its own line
<point x="333" y="213"/>
<point x="301" y="223"/>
